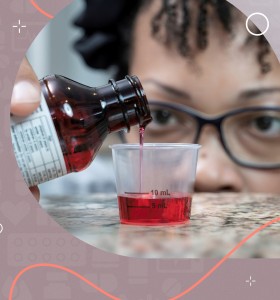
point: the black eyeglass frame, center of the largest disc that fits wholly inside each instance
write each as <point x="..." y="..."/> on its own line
<point x="217" y="122"/>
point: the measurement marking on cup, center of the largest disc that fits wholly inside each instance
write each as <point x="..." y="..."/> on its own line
<point x="136" y="193"/>
<point x="161" y="193"/>
<point x="131" y="206"/>
<point x="160" y="205"/>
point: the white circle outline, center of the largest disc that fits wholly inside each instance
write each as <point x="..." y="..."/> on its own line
<point x="267" y="26"/>
<point x="1" y="228"/>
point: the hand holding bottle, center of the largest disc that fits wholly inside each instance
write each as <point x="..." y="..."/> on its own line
<point x="26" y="97"/>
<point x="65" y="133"/>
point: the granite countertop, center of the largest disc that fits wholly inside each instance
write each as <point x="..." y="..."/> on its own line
<point x="218" y="223"/>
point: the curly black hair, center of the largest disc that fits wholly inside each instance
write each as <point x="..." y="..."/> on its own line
<point x="108" y="28"/>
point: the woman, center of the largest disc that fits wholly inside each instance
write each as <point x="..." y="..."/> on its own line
<point x="208" y="81"/>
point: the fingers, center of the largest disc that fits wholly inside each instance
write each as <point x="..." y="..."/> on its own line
<point x="26" y="98"/>
<point x="35" y="191"/>
<point x="26" y="92"/>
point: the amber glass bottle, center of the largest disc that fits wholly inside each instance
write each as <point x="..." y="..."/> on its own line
<point x="65" y="133"/>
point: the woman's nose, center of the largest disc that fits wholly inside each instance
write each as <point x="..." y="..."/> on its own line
<point x="216" y="172"/>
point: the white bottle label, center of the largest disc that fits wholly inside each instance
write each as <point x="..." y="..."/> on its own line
<point x="36" y="146"/>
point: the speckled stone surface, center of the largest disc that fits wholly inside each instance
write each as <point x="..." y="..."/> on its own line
<point x="218" y="223"/>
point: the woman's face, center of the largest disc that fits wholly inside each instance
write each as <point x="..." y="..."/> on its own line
<point x="224" y="77"/>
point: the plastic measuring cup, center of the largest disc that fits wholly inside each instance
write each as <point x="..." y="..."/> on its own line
<point x="155" y="182"/>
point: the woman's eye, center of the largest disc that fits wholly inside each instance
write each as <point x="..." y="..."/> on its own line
<point x="267" y="125"/>
<point x="172" y="122"/>
<point x="163" y="117"/>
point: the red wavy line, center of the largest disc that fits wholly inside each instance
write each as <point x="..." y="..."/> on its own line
<point x="40" y="9"/>
<point x="61" y="268"/>
<point x="225" y="258"/>
<point x="115" y="298"/>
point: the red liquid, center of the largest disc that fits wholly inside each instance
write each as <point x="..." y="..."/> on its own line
<point x="145" y="209"/>
<point x="141" y="135"/>
<point x="81" y="121"/>
<point x="81" y="133"/>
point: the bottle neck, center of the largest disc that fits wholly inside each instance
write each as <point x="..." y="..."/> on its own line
<point x="124" y="103"/>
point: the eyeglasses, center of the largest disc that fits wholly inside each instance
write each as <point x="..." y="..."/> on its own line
<point x="250" y="136"/>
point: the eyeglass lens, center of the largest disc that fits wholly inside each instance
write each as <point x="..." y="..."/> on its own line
<point x="251" y="137"/>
